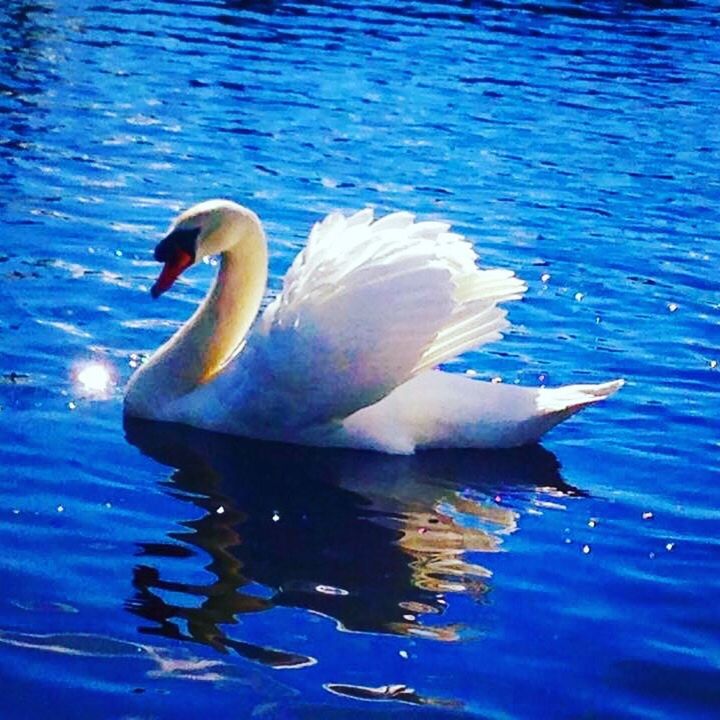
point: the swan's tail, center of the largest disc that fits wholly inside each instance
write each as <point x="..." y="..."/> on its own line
<point x="568" y="399"/>
<point x="438" y="409"/>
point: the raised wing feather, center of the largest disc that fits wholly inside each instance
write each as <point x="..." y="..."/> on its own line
<point x="364" y="307"/>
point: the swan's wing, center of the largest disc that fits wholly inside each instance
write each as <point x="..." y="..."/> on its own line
<point x="364" y="307"/>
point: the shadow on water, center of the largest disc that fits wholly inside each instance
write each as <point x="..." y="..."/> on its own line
<point x="374" y="541"/>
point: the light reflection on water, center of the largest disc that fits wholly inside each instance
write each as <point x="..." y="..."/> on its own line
<point x="95" y="378"/>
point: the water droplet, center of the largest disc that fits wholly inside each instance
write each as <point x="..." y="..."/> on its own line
<point x="220" y="510"/>
<point x="672" y="307"/>
<point x="586" y="549"/>
<point x="579" y="296"/>
<point x="71" y="405"/>
<point x="592" y="522"/>
<point x="404" y="654"/>
<point x="496" y="380"/>
<point x="60" y="508"/>
<point x="545" y="277"/>
<point x="409" y="617"/>
<point x="669" y="546"/>
<point x="713" y="364"/>
<point x="647" y="515"/>
<point x="275" y="516"/>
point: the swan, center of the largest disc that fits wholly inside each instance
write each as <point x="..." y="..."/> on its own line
<point x="347" y="353"/>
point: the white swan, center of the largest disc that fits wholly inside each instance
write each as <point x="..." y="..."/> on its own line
<point x="346" y="354"/>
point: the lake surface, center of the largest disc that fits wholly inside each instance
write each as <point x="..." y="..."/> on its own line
<point x="164" y="573"/>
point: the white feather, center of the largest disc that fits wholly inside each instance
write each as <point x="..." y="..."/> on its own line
<point x="448" y="410"/>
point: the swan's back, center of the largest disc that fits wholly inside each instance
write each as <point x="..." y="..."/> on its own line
<point x="438" y="409"/>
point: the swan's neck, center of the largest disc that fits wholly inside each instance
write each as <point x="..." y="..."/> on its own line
<point x="213" y="334"/>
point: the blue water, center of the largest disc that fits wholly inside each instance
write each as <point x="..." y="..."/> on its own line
<point x="176" y="574"/>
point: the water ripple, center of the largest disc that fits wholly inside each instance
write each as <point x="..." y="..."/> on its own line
<point x="574" y="142"/>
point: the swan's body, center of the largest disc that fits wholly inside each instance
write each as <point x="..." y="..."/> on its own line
<point x="346" y="354"/>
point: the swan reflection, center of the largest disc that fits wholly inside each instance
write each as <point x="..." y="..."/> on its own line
<point x="379" y="543"/>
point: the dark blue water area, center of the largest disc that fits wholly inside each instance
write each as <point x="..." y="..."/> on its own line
<point x="159" y="572"/>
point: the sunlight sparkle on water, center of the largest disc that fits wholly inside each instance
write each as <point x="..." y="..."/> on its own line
<point x="94" y="378"/>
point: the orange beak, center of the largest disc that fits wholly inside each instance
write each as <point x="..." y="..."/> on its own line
<point x="178" y="261"/>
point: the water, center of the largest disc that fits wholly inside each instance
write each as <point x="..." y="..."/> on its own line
<point x="177" y="574"/>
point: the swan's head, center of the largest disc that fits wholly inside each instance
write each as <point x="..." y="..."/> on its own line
<point x="208" y="228"/>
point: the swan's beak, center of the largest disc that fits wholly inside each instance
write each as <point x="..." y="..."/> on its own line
<point x="170" y="272"/>
<point x="177" y="252"/>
